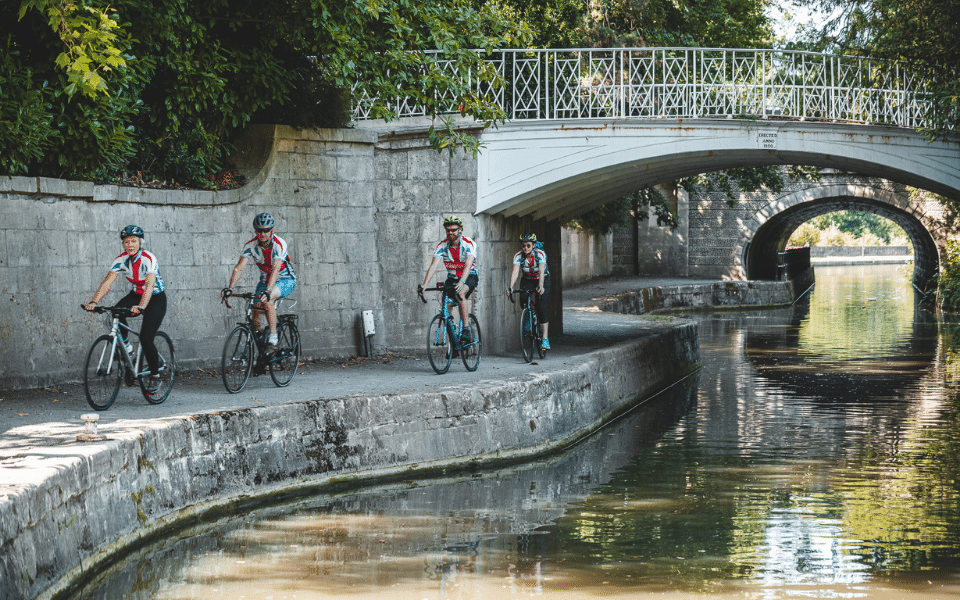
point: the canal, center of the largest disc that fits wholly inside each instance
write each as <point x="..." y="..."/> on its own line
<point x="815" y="455"/>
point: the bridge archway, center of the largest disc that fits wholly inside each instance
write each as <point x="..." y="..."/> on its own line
<point x="767" y="233"/>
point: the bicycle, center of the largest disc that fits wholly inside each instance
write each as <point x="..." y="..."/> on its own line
<point x="530" y="335"/>
<point x="109" y="363"/>
<point x="445" y="339"/>
<point x="244" y="351"/>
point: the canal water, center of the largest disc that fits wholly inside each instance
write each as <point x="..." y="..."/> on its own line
<point x="816" y="455"/>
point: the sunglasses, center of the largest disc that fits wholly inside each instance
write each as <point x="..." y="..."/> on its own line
<point x="452" y="229"/>
<point x="263" y="230"/>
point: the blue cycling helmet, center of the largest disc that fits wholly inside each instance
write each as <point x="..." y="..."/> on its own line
<point x="263" y="221"/>
<point x="130" y="230"/>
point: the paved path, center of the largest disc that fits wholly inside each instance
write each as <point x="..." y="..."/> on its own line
<point x="33" y="419"/>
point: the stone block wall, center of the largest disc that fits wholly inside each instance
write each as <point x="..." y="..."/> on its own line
<point x="361" y="210"/>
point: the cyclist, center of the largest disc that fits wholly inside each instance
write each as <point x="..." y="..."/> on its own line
<point x="147" y="296"/>
<point x="277" y="279"/>
<point x="533" y="262"/>
<point x="458" y="253"/>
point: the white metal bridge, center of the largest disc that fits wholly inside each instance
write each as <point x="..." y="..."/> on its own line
<point x="672" y="83"/>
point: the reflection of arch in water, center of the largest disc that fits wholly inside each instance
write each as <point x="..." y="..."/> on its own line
<point x="767" y="233"/>
<point x="776" y="355"/>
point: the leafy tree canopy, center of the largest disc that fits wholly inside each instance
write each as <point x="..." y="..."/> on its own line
<point x="91" y="88"/>
<point x="921" y="32"/>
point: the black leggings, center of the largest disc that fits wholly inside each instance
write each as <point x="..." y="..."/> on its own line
<point x="152" y="317"/>
<point x="541" y="303"/>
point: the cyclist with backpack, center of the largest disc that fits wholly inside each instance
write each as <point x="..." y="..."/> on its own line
<point x="532" y="262"/>
<point x="277" y="279"/>
<point x="147" y="296"/>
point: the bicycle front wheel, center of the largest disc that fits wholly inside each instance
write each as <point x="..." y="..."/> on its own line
<point x="237" y="360"/>
<point x="439" y="348"/>
<point x="528" y="333"/>
<point x="286" y="359"/>
<point x="102" y="373"/>
<point x="167" y="369"/>
<point x="470" y="349"/>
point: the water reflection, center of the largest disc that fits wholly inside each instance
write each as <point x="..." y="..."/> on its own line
<point x="817" y="456"/>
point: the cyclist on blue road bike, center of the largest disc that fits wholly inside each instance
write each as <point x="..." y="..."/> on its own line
<point x="458" y="253"/>
<point x="277" y="279"/>
<point x="532" y="261"/>
<point x="147" y="296"/>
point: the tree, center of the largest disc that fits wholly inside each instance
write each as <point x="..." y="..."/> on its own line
<point x="920" y="32"/>
<point x="163" y="85"/>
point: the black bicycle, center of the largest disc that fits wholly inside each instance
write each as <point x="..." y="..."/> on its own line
<point x="109" y="363"/>
<point x="245" y="351"/>
<point x="447" y="339"/>
<point x="531" y="337"/>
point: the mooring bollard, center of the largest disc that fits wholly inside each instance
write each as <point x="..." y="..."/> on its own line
<point x="90" y="429"/>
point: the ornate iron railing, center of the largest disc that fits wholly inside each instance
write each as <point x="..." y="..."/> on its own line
<point x="659" y="83"/>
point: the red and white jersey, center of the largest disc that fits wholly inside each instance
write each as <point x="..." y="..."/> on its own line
<point x="136" y="268"/>
<point x="530" y="265"/>
<point x="455" y="258"/>
<point x="266" y="258"/>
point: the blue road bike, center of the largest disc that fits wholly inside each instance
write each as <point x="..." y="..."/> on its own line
<point x="531" y="338"/>
<point x="446" y="339"/>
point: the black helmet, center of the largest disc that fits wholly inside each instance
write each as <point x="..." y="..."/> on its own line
<point x="453" y="220"/>
<point x="263" y="221"/>
<point x="528" y="237"/>
<point x="130" y="230"/>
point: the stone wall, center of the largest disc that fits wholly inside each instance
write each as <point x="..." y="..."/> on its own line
<point x="360" y="209"/>
<point x="586" y="255"/>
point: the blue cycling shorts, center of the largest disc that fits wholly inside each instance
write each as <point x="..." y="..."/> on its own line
<point x="285" y="285"/>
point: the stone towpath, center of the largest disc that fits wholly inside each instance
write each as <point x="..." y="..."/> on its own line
<point x="33" y="419"/>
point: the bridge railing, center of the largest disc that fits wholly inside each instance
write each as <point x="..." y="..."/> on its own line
<point x="658" y="83"/>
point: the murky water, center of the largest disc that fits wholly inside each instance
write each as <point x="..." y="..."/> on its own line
<point x="817" y="455"/>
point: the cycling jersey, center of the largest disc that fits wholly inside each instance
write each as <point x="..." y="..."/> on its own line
<point x="530" y="265"/>
<point x="265" y="261"/>
<point x="136" y="268"/>
<point x="455" y="259"/>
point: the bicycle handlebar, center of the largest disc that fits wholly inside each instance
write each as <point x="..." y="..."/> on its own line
<point x="421" y="290"/>
<point x="225" y="294"/>
<point x="120" y="311"/>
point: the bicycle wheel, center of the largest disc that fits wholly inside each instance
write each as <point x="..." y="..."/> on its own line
<point x="438" y="345"/>
<point x="237" y="360"/>
<point x="528" y="335"/>
<point x="167" y="369"/>
<point x="102" y="373"/>
<point x="470" y="352"/>
<point x="286" y="359"/>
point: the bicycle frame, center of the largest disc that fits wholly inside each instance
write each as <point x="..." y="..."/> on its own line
<point x="444" y="332"/>
<point x="128" y="362"/>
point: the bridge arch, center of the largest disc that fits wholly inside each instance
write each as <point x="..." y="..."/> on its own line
<point x="768" y="231"/>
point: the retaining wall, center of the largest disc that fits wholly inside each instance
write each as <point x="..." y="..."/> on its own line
<point x="722" y="294"/>
<point x="360" y="209"/>
<point x="81" y="506"/>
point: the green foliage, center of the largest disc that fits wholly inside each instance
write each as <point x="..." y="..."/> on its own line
<point x="719" y="24"/>
<point x="162" y="86"/>
<point x="25" y="130"/>
<point x="849" y="228"/>
<point x="948" y="281"/>
<point x="921" y="32"/>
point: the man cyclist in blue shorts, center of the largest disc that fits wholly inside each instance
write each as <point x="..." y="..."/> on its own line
<point x="277" y="279"/>
<point x="458" y="254"/>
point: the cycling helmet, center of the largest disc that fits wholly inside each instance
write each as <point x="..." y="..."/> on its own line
<point x="453" y="220"/>
<point x="263" y="221"/>
<point x="528" y="237"/>
<point x="131" y="230"/>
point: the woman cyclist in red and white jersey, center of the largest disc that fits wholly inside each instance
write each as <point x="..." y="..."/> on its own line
<point x="147" y="296"/>
<point x="532" y="262"/>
